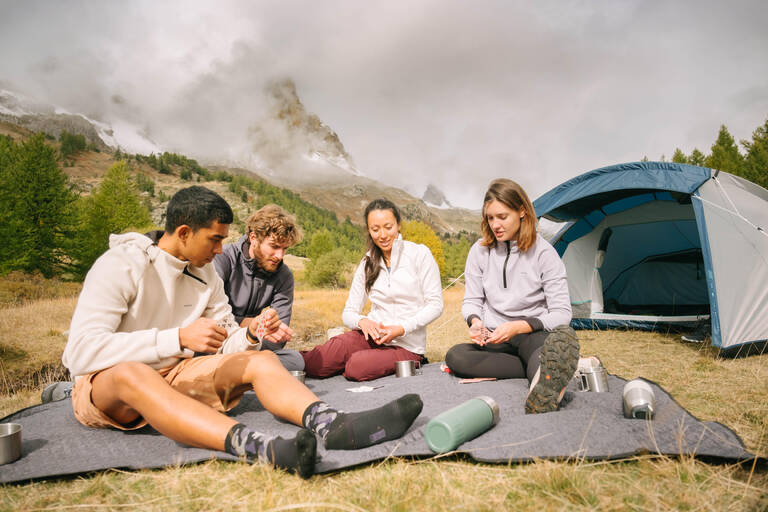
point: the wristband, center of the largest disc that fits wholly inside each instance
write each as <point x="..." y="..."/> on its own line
<point x="250" y="336"/>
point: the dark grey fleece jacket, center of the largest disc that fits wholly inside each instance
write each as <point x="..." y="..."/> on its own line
<point x="249" y="287"/>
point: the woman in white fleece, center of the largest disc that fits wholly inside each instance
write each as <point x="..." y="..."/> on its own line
<point x="402" y="281"/>
<point x="516" y="303"/>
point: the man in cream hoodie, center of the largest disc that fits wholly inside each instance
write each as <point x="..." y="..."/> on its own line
<point x="153" y="340"/>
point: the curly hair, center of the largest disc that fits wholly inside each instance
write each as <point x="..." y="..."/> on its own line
<point x="273" y="220"/>
<point x="512" y="196"/>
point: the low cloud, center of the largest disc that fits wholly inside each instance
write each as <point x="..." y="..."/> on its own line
<point x="419" y="92"/>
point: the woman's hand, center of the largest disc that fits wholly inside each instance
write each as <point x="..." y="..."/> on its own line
<point x="370" y="329"/>
<point x="508" y="330"/>
<point x="390" y="332"/>
<point x="478" y="333"/>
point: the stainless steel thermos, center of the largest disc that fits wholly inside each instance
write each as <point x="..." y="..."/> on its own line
<point x="448" y="430"/>
<point x="639" y="400"/>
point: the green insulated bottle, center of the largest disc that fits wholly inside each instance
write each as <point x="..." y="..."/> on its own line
<point x="448" y="430"/>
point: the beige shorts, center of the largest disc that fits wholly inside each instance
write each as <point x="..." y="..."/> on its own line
<point x="192" y="377"/>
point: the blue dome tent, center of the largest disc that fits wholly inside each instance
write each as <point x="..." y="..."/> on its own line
<point x="652" y="245"/>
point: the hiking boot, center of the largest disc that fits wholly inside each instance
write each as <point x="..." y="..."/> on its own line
<point x="56" y="391"/>
<point x="557" y="364"/>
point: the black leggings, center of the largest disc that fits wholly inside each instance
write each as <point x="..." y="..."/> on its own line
<point x="514" y="359"/>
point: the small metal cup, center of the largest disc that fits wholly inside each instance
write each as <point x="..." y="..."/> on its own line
<point x="593" y="379"/>
<point x="407" y="368"/>
<point x="10" y="442"/>
<point x="298" y="375"/>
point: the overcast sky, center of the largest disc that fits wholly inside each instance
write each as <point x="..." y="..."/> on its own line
<point x="453" y="93"/>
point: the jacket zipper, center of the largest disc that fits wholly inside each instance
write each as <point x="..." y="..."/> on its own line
<point x="504" y="270"/>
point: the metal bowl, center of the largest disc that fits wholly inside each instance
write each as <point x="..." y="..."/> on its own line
<point x="10" y="442"/>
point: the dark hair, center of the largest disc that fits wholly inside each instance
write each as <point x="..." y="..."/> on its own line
<point x="196" y="207"/>
<point x="513" y="196"/>
<point x="375" y="255"/>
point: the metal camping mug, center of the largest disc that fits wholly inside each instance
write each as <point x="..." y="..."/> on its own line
<point x="639" y="400"/>
<point x="407" y="368"/>
<point x="593" y="379"/>
<point x="10" y="442"/>
<point x="298" y="375"/>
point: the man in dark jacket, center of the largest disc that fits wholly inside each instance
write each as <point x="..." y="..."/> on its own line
<point x="255" y="276"/>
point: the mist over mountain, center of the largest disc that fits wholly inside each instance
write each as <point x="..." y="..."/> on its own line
<point x="283" y="143"/>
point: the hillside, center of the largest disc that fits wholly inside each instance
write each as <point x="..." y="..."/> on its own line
<point x="287" y="146"/>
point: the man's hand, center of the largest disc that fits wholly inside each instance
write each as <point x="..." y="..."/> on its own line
<point x="265" y="324"/>
<point x="202" y="336"/>
<point x="283" y="334"/>
<point x="389" y="332"/>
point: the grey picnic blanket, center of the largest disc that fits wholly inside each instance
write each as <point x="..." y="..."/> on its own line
<point x="589" y="426"/>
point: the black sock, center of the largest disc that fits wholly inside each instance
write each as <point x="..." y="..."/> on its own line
<point x="353" y="430"/>
<point x="296" y="454"/>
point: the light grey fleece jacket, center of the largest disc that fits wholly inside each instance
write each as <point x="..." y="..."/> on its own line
<point x="503" y="284"/>
<point x="134" y="300"/>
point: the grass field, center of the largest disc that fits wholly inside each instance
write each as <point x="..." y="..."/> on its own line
<point x="731" y="391"/>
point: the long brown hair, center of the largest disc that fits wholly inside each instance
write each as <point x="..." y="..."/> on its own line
<point x="374" y="255"/>
<point x="512" y="196"/>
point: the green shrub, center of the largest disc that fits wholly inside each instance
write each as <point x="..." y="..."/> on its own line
<point x="330" y="269"/>
<point x="71" y="143"/>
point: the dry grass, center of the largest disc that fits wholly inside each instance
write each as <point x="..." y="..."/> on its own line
<point x="734" y="392"/>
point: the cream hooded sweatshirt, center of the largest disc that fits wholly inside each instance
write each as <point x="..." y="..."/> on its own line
<point x="134" y="300"/>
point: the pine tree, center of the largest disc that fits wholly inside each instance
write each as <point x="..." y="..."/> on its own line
<point x="114" y="206"/>
<point x="35" y="215"/>
<point x="679" y="157"/>
<point x="756" y="160"/>
<point x="725" y="155"/>
<point x="697" y="158"/>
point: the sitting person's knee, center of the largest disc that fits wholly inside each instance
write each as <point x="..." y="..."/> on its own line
<point x="455" y="356"/>
<point x="130" y="372"/>
<point x="361" y="367"/>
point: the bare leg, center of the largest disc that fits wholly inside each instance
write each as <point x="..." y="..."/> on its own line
<point x="278" y="391"/>
<point x="129" y="390"/>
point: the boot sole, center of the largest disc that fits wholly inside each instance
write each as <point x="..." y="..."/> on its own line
<point x="559" y="358"/>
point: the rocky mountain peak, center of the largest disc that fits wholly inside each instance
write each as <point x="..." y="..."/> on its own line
<point x="290" y="131"/>
<point x="435" y="197"/>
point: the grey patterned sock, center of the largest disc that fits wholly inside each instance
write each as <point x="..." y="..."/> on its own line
<point x="244" y="442"/>
<point x="318" y="417"/>
<point x="294" y="454"/>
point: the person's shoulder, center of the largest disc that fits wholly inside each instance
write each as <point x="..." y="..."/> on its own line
<point x="478" y="248"/>
<point x="284" y="272"/>
<point x="542" y="245"/>
<point x="129" y="252"/>
<point x="234" y="249"/>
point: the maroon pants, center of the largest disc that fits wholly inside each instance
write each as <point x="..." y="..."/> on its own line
<point x="354" y="356"/>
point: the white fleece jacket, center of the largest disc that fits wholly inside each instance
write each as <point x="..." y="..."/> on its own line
<point x="134" y="300"/>
<point x="409" y="294"/>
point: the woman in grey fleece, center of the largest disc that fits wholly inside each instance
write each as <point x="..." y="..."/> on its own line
<point x="516" y="303"/>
